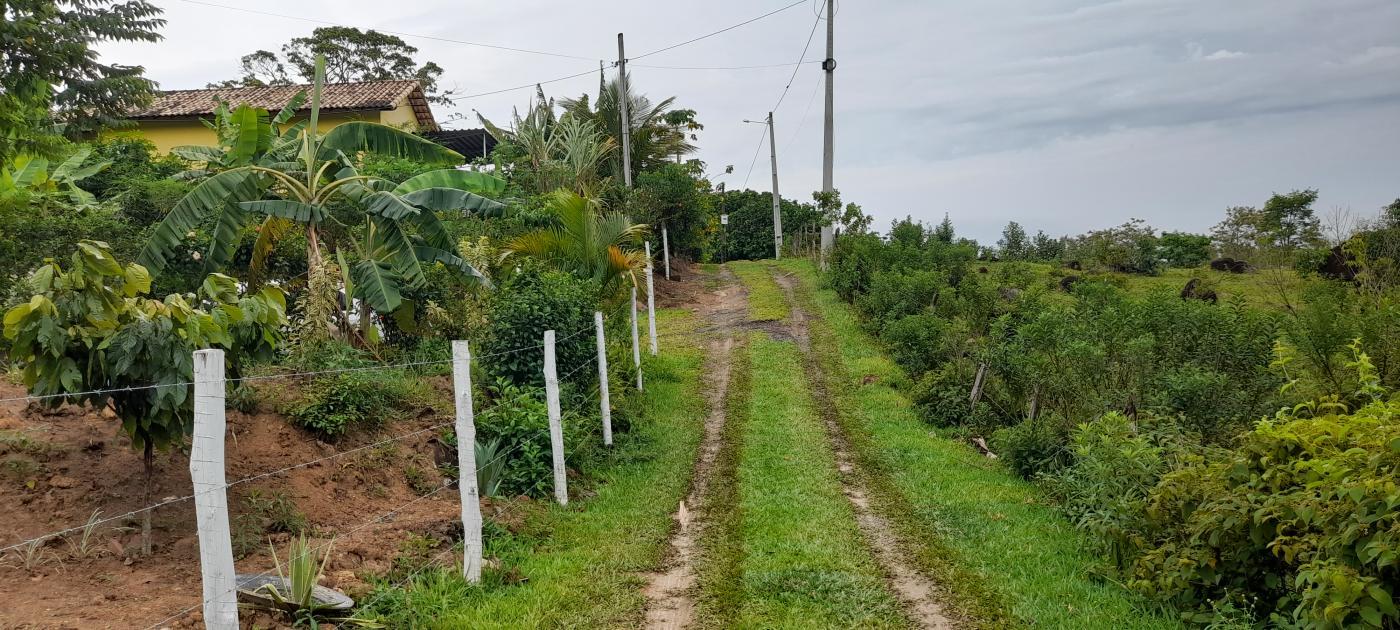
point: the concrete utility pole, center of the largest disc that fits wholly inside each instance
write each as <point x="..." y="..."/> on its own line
<point x="777" y="200"/>
<point x="626" y="117"/>
<point x="828" y="126"/>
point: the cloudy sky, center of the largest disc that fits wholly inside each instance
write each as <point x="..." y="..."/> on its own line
<point x="1064" y="115"/>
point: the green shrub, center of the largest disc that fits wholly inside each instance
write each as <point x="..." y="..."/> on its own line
<point x="915" y="342"/>
<point x="334" y="404"/>
<point x="893" y="295"/>
<point x="519" y="422"/>
<point x="1034" y="447"/>
<point x="522" y="308"/>
<point x="942" y="396"/>
<point x="1304" y="516"/>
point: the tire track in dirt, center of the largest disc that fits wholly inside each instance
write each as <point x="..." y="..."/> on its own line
<point x="918" y="593"/>
<point x="670" y="596"/>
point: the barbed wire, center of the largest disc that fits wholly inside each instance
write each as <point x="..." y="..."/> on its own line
<point x="351" y="532"/>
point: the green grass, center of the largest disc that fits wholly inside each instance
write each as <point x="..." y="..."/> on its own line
<point x="979" y="526"/>
<point x="766" y="302"/>
<point x="804" y="565"/>
<point x="583" y="563"/>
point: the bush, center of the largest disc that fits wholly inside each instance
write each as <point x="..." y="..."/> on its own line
<point x="1034" y="447"/>
<point x="895" y="294"/>
<point x="522" y="309"/>
<point x="942" y="396"/>
<point x="1302" y="516"/>
<point x="334" y="404"/>
<point x="915" y="342"/>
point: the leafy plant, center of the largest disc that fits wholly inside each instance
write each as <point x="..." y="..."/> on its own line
<point x="333" y="404"/>
<point x="597" y="246"/>
<point x="527" y="304"/>
<point x="86" y="544"/>
<point x="92" y="335"/>
<point x="293" y="178"/>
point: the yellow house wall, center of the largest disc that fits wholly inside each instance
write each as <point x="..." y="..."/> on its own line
<point x="167" y="134"/>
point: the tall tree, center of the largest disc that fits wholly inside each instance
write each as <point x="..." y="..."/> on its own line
<point x="351" y="55"/>
<point x="1013" y="244"/>
<point x="944" y="230"/>
<point x="1289" y="219"/>
<point x="658" y="133"/>
<point x="52" y="81"/>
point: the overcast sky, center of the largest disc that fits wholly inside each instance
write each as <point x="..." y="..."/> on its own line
<point x="1063" y="115"/>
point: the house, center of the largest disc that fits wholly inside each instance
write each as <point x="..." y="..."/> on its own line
<point x="471" y="143"/>
<point x="173" y="118"/>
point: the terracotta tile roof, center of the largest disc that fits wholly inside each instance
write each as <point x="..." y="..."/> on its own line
<point x="364" y="95"/>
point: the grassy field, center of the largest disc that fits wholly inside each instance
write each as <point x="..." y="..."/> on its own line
<point x="804" y="565"/>
<point x="766" y="301"/>
<point x="1005" y="552"/>
<point x="582" y="563"/>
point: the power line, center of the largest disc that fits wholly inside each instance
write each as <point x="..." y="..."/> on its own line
<point x="723" y="30"/>
<point x="405" y="34"/>
<point x="755" y="157"/>
<point x="798" y="131"/>
<point x="529" y="85"/>
<point x="800" y="59"/>
<point x="771" y="65"/>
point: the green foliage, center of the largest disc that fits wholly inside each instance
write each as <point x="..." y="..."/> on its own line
<point x="351" y="55"/>
<point x="1034" y="447"/>
<point x="672" y="196"/>
<point x="915" y="342"/>
<point x="54" y="81"/>
<point x="332" y="405"/>
<point x="598" y="247"/>
<point x="1301" y="515"/>
<point x="92" y="328"/>
<point x="529" y="303"/>
<point x="1128" y="248"/>
<point x="1182" y="249"/>
<point x="1013" y="244"/>
<point x="749" y="235"/>
<point x="519" y="423"/>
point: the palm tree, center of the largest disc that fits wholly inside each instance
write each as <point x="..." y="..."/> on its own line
<point x="289" y="178"/>
<point x="657" y="136"/>
<point x="585" y="241"/>
<point x="565" y="152"/>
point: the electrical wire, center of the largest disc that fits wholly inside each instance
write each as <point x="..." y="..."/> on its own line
<point x="758" y="67"/>
<point x="391" y="32"/>
<point x="755" y="157"/>
<point x="530" y="85"/>
<point x="723" y="30"/>
<point x="800" y="60"/>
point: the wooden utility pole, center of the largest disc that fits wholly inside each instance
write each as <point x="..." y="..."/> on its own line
<point x="777" y="199"/>
<point x="626" y="121"/>
<point x="828" y="125"/>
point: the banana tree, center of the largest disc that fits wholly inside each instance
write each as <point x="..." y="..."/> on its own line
<point x="32" y="175"/>
<point x="287" y="180"/>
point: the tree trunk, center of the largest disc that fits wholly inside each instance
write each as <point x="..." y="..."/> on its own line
<point x="148" y="459"/>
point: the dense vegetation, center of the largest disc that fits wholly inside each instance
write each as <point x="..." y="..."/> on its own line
<point x="1235" y="459"/>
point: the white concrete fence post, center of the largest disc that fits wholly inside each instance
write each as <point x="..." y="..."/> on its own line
<point x="603" y="402"/>
<point x="466" y="461"/>
<point x="636" y="341"/>
<point x="651" y="303"/>
<point x="666" y="251"/>
<point x="556" y="426"/>
<point x="211" y="493"/>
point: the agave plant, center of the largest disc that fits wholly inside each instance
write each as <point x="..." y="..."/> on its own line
<point x="289" y="179"/>
<point x="586" y="241"/>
